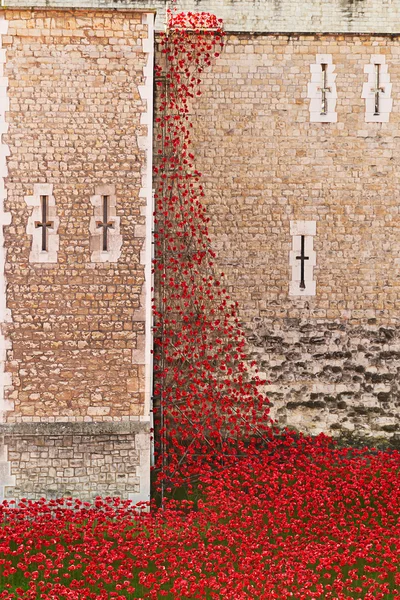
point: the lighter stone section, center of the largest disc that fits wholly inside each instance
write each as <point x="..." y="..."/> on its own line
<point x="324" y="16"/>
<point x="114" y="237"/>
<point x="6" y="479"/>
<point x="368" y="93"/>
<point x="308" y="229"/>
<point x="142" y="445"/>
<point x="315" y="90"/>
<point x="37" y="255"/>
<point x="145" y="345"/>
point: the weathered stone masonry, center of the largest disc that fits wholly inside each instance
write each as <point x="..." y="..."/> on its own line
<point x="81" y="460"/>
<point x="333" y="359"/>
<point x="6" y="478"/>
<point x="362" y="16"/>
<point x="78" y="412"/>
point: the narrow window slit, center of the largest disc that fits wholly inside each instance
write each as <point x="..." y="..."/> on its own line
<point x="105" y="217"/>
<point x="105" y="224"/>
<point x="324" y="89"/>
<point x="302" y="258"/>
<point x="44" y="223"/>
<point x="378" y="89"/>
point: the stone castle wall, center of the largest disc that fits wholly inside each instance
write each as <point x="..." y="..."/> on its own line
<point x="333" y="359"/>
<point x="79" y="460"/>
<point x="362" y="16"/>
<point x="79" y="121"/>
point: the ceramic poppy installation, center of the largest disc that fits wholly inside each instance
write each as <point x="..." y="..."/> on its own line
<point x="269" y="514"/>
<point x="208" y="405"/>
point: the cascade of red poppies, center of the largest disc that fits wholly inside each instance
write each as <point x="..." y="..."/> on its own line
<point x="208" y="407"/>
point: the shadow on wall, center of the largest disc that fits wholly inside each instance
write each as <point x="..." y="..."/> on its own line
<point x="352" y="9"/>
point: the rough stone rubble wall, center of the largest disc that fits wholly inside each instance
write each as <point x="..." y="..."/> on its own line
<point x="333" y="359"/>
<point x="330" y="376"/>
<point x="76" y="120"/>
<point x="375" y="16"/>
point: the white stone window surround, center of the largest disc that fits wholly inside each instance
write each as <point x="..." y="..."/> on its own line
<point x="37" y="255"/>
<point x="114" y="237"/>
<point x="315" y="94"/>
<point x="368" y="93"/>
<point x="308" y="229"/>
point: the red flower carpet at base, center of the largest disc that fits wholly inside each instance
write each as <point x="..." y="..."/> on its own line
<point x="303" y="521"/>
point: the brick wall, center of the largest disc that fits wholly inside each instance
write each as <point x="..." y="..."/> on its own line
<point x="77" y="120"/>
<point x="332" y="359"/>
<point x="268" y="15"/>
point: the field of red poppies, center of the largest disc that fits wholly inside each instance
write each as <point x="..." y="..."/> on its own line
<point x="305" y="520"/>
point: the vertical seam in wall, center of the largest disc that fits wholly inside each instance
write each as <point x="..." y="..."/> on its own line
<point x="145" y="143"/>
<point x="6" y="479"/>
<point x="146" y="93"/>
